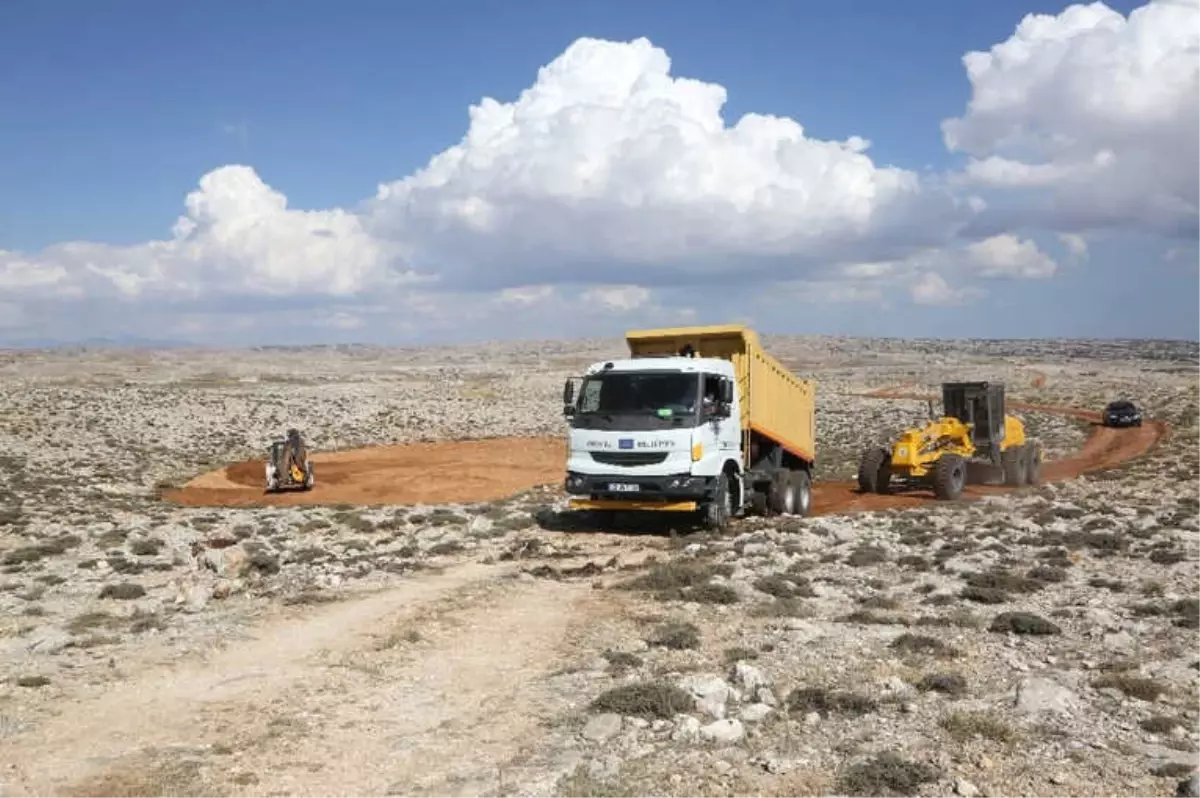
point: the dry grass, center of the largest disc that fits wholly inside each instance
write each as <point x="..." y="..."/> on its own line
<point x="645" y="700"/>
<point x="964" y="726"/>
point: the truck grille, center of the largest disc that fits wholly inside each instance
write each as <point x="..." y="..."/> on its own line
<point x="629" y="458"/>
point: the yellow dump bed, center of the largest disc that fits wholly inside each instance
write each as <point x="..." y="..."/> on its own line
<point x="775" y="402"/>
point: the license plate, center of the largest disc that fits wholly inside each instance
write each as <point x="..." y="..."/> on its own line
<point x="624" y="487"/>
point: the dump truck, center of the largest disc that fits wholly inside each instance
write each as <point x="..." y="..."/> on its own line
<point x="974" y="429"/>
<point x="696" y="420"/>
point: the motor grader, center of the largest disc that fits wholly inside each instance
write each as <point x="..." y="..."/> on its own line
<point x="973" y="430"/>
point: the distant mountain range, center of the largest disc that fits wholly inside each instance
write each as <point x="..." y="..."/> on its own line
<point x="120" y="342"/>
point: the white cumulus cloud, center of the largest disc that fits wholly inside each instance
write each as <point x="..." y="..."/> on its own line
<point x="237" y="236"/>
<point x="1097" y="109"/>
<point x="1009" y="256"/>
<point x="608" y="162"/>
<point x="1076" y="244"/>
<point x="930" y="288"/>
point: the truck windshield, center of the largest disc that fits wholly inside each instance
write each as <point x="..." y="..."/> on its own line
<point x="662" y="395"/>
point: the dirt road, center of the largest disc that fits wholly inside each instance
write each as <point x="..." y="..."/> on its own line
<point x="436" y="687"/>
<point x="1105" y="447"/>
<point x="475" y="471"/>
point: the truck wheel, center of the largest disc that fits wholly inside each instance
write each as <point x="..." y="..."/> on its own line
<point x="1012" y="460"/>
<point x="803" y="492"/>
<point x="1033" y="464"/>
<point x="782" y="495"/>
<point x="875" y="470"/>
<point x="949" y="476"/>
<point x="718" y="509"/>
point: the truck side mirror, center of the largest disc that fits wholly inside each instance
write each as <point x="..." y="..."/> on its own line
<point x="726" y="392"/>
<point x="568" y="397"/>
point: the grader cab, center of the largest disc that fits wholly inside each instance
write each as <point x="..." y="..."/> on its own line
<point x="973" y="430"/>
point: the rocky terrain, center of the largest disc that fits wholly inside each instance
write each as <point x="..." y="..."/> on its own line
<point x="1038" y="642"/>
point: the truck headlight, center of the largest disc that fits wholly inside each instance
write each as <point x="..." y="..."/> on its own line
<point x="574" y="481"/>
<point x="684" y="481"/>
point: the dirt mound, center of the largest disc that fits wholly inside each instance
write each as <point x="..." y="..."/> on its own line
<point x="419" y="473"/>
<point x="488" y="470"/>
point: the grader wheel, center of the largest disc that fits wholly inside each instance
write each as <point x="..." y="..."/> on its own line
<point x="1033" y="463"/>
<point x="949" y="476"/>
<point x="1013" y="461"/>
<point x="875" y="470"/>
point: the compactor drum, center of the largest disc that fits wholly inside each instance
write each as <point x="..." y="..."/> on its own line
<point x="974" y="430"/>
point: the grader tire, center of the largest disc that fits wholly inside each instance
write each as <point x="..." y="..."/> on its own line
<point x="949" y="477"/>
<point x="1033" y="463"/>
<point x="1012" y="460"/>
<point x="874" y="471"/>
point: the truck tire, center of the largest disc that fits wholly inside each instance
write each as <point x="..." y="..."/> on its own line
<point x="875" y="470"/>
<point x="1012" y="460"/>
<point x="949" y="476"/>
<point x="803" y="485"/>
<point x="782" y="496"/>
<point x="718" y="509"/>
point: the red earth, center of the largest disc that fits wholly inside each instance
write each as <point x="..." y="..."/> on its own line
<point x="492" y="469"/>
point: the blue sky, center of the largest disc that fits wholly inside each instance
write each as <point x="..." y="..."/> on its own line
<point x="113" y="112"/>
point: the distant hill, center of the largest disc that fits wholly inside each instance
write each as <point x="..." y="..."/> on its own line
<point x="120" y="342"/>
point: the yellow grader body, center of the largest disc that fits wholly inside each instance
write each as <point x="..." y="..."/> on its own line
<point x="973" y="430"/>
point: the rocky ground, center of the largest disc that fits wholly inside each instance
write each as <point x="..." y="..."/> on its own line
<point x="1035" y="643"/>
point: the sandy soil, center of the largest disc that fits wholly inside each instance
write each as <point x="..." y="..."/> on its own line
<point x="334" y="701"/>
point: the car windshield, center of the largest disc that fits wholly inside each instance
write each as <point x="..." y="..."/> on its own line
<point x="662" y="394"/>
<point x="1121" y="405"/>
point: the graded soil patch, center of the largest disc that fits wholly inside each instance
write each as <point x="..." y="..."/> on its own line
<point x="452" y="472"/>
<point x="464" y="472"/>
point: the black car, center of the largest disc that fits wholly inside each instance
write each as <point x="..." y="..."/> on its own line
<point x="1122" y="413"/>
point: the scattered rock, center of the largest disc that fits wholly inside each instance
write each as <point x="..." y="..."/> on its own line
<point x="600" y="728"/>
<point x="710" y="692"/>
<point x="1036" y="695"/>
<point x="753" y="713"/>
<point x="965" y="788"/>
<point x="727" y="730"/>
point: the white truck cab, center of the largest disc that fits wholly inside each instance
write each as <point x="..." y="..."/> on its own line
<point x="653" y="433"/>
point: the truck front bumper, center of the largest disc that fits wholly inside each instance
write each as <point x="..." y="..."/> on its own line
<point x="680" y="492"/>
<point x="634" y="505"/>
